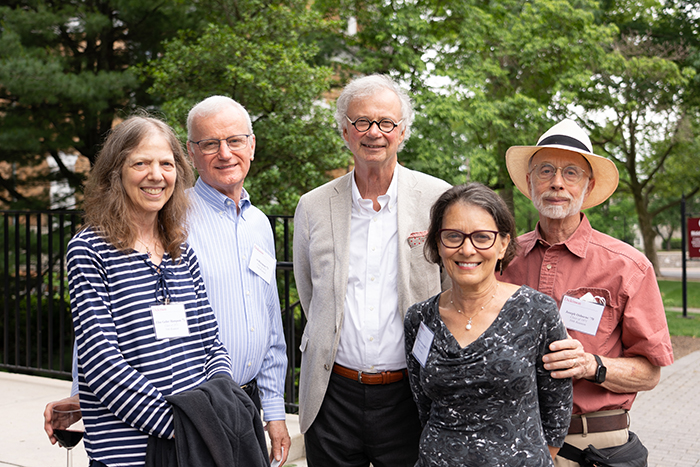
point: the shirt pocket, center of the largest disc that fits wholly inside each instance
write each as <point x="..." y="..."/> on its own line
<point x="609" y="320"/>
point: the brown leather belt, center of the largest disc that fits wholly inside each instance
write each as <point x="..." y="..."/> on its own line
<point x="599" y="424"/>
<point x="385" y="377"/>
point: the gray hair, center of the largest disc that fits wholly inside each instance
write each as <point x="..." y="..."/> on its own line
<point x="368" y="86"/>
<point x="212" y="105"/>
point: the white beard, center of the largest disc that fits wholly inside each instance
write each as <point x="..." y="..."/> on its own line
<point x="558" y="212"/>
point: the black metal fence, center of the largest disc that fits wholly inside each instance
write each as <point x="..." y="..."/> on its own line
<point x="36" y="325"/>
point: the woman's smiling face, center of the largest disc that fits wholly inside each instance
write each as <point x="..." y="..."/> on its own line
<point x="467" y="266"/>
<point x="149" y="175"/>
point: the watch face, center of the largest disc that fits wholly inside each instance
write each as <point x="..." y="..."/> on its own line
<point x="602" y="372"/>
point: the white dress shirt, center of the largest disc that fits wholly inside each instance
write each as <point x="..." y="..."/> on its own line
<point x="371" y="336"/>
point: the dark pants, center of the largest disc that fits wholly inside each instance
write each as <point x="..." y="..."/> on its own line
<point x="360" y="423"/>
<point x="252" y="390"/>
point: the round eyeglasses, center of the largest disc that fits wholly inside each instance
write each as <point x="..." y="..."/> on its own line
<point x="212" y="145"/>
<point x="481" y="239"/>
<point x="363" y="124"/>
<point x="571" y="174"/>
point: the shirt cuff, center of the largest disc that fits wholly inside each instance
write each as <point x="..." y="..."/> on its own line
<point x="273" y="409"/>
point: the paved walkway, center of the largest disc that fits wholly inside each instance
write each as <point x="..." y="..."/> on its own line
<point x="23" y="442"/>
<point x="666" y="419"/>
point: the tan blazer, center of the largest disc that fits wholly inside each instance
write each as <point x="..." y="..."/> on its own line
<point x="321" y="239"/>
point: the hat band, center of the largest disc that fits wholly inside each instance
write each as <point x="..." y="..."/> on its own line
<point x="564" y="141"/>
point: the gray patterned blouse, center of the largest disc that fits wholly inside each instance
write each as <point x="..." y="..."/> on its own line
<point x="491" y="403"/>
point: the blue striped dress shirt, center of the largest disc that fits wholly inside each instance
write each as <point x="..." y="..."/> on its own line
<point x="246" y="306"/>
<point x="124" y="370"/>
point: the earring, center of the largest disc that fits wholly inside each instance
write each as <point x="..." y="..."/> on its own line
<point x="500" y="267"/>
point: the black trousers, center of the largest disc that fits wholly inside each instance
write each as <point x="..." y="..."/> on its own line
<point x="360" y="423"/>
<point x="253" y="392"/>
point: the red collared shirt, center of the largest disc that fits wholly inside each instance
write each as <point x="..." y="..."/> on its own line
<point x="634" y="321"/>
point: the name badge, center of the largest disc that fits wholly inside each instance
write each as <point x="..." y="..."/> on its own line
<point x="421" y="347"/>
<point x="581" y="315"/>
<point x="262" y="264"/>
<point x="170" y="321"/>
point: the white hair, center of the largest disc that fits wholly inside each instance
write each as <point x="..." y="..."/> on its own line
<point x="211" y="106"/>
<point x="368" y="86"/>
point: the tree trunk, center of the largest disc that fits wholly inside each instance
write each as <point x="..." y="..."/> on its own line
<point x="647" y="229"/>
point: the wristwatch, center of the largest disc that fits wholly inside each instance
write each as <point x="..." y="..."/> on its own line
<point x="600" y="372"/>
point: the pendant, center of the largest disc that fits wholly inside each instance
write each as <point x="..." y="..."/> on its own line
<point x="469" y="324"/>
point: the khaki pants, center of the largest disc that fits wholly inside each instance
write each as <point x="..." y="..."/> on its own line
<point x="599" y="440"/>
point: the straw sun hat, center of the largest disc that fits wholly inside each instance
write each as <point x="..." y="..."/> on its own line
<point x="568" y="136"/>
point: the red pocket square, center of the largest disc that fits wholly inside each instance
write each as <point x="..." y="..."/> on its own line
<point x="417" y="238"/>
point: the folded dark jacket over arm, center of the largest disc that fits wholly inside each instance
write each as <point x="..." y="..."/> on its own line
<point x="216" y="424"/>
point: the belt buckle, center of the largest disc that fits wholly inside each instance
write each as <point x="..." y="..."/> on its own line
<point x="359" y="376"/>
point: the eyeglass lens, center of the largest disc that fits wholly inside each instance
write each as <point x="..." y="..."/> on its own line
<point x="235" y="143"/>
<point x="571" y="173"/>
<point x="481" y="239"/>
<point x="385" y="125"/>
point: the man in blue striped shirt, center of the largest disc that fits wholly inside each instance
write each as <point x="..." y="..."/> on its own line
<point x="234" y="243"/>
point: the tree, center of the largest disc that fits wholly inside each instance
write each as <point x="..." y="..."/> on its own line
<point x="65" y="74"/>
<point x="255" y="52"/>
<point x="636" y="111"/>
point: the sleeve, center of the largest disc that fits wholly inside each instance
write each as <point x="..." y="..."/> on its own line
<point x="122" y="389"/>
<point x="555" y="395"/>
<point x="302" y="263"/>
<point x="218" y="359"/>
<point x="273" y="371"/>
<point x="411" y="324"/>
<point x="644" y="326"/>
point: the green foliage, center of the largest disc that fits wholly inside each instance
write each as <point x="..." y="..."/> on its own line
<point x="256" y="54"/>
<point x="615" y="217"/>
<point x="65" y="72"/>
<point x="636" y="112"/>
<point x="526" y="216"/>
<point x="510" y="64"/>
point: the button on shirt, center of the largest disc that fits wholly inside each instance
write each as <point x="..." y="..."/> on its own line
<point x="633" y="322"/>
<point x="371" y="337"/>
<point x="246" y="307"/>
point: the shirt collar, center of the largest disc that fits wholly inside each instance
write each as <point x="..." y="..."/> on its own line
<point x="218" y="200"/>
<point x="387" y="200"/>
<point x="577" y="243"/>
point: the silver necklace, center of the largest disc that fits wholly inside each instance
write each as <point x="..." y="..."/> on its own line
<point x="468" y="327"/>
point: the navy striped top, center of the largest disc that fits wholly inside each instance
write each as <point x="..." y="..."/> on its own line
<point x="124" y="371"/>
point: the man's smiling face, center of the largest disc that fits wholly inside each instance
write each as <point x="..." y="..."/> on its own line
<point x="374" y="148"/>
<point x="226" y="170"/>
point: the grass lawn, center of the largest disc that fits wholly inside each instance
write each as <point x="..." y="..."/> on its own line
<point x="671" y="293"/>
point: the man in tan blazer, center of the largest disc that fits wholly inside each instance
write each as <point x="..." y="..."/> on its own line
<point x="359" y="265"/>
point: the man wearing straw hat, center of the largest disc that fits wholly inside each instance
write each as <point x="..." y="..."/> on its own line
<point x="607" y="291"/>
